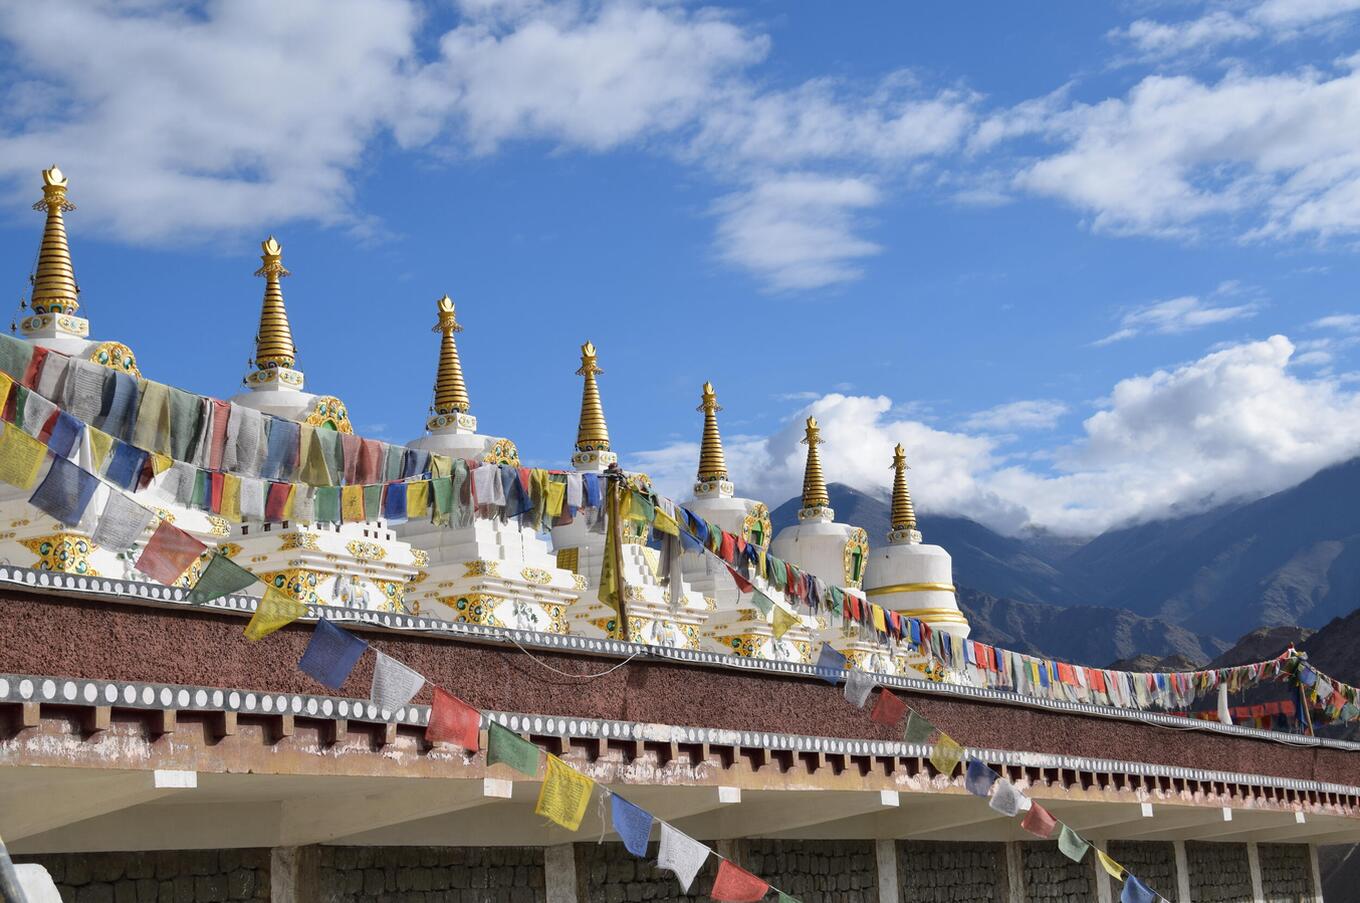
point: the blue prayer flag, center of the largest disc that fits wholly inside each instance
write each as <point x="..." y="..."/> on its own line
<point x="830" y="664"/>
<point x="331" y="654"/>
<point x="65" y="492"/>
<point x="394" y="503"/>
<point x="980" y="777"/>
<point x="65" y="432"/>
<point x="633" y="825"/>
<point x="688" y="543"/>
<point x="125" y="465"/>
<point x="1136" y="891"/>
<point x="590" y="486"/>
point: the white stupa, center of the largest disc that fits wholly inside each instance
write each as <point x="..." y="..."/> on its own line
<point x="492" y="571"/>
<point x="734" y="627"/>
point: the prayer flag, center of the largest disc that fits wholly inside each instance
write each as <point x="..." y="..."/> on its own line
<point x="351" y="504"/>
<point x="1038" y="821"/>
<point x="784" y="620"/>
<point x="121" y="523"/>
<point x="681" y="854"/>
<point x="65" y="492"/>
<point x="946" y="755"/>
<point x="453" y="721"/>
<point x="1007" y="800"/>
<point x="736" y="885"/>
<point x="1136" y="891"/>
<point x="830" y="664"/>
<point x="278" y="501"/>
<point x="331" y="654"/>
<point x="169" y="553"/>
<point x="221" y="577"/>
<point x="277" y="609"/>
<point x="326" y="504"/>
<point x="743" y="585"/>
<point x="979" y="778"/>
<point x="632" y="823"/>
<point x="565" y="794"/>
<point x="1112" y="868"/>
<point x="65" y="431"/>
<point x="394" y="684"/>
<point x="418" y="499"/>
<point x="889" y="709"/>
<point x="1072" y="846"/>
<point x="858" y="685"/>
<point x="785" y="898"/>
<point x="373" y="496"/>
<point x="504" y="745"/>
<point x="918" y="728"/>
<point x="20" y="457"/>
<point x="763" y="603"/>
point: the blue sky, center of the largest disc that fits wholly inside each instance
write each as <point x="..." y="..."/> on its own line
<point x="1090" y="263"/>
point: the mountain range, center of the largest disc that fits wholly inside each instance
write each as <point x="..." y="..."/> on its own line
<point x="1180" y="586"/>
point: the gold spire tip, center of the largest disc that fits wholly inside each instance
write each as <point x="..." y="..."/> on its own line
<point x="274" y="341"/>
<point x="903" y="514"/>
<point x="712" y="461"/>
<point x="450" y="392"/>
<point x="814" y="483"/>
<point x="54" y="280"/>
<point x="592" y="434"/>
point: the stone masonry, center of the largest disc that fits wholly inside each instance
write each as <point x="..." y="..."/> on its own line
<point x="432" y="875"/>
<point x="191" y="876"/>
<point x="608" y="873"/>
<point x="1218" y="872"/>
<point x="938" y="872"/>
<point x="1154" y="862"/>
<point x="816" y="871"/>
<point x="1051" y="876"/>
<point x="1286" y="874"/>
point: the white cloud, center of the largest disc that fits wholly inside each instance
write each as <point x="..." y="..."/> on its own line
<point x="1237" y="423"/>
<point x="1338" y="322"/>
<point x="796" y="231"/>
<point x="1031" y="414"/>
<point x="1175" y="316"/>
<point x="1276" y="20"/>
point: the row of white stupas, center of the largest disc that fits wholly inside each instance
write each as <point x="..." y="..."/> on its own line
<point x="495" y="572"/>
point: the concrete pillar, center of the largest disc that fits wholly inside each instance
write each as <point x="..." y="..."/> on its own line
<point x="295" y="874"/>
<point x="1254" y="869"/>
<point x="1015" y="873"/>
<point x="1103" y="883"/>
<point x="559" y="873"/>
<point x="1316" y="871"/>
<point x="1182" y="872"/>
<point x="886" y="853"/>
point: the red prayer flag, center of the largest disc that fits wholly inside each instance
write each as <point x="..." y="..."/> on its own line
<point x="453" y="720"/>
<point x="743" y="585"/>
<point x="215" y="483"/>
<point x="218" y="443"/>
<point x="888" y="709"/>
<point x="736" y="885"/>
<point x="169" y="553"/>
<point x="35" y="366"/>
<point x="1038" y="822"/>
<point x="276" y="503"/>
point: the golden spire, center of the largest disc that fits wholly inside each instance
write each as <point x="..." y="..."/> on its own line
<point x="54" y="282"/>
<point x="903" y="514"/>
<point x="450" y="394"/>
<point x="814" y="484"/>
<point x="712" y="463"/>
<point x="592" y="434"/>
<point x="274" y="342"/>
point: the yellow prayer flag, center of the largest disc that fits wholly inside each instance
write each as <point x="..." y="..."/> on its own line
<point x="440" y="466"/>
<point x="418" y="499"/>
<point x="879" y="624"/>
<point x="20" y="457"/>
<point x="6" y="385"/>
<point x="1112" y="868"/>
<point x="783" y="620"/>
<point x="313" y="456"/>
<point x="288" y="502"/>
<point x="231" y="497"/>
<point x="946" y="755"/>
<point x="557" y="497"/>
<point x="275" y="610"/>
<point x="351" y="504"/>
<point x="565" y="794"/>
<point x="101" y="443"/>
<point x="665" y="523"/>
<point x="161" y="463"/>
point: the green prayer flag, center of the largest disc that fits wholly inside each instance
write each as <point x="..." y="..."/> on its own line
<point x="373" y="501"/>
<point x="326" y="504"/>
<point x="836" y="595"/>
<point x="762" y="602"/>
<point x="15" y="355"/>
<point x="785" y="898"/>
<point x="442" y="490"/>
<point x="918" y="729"/>
<point x="504" y="745"/>
<point x="220" y="577"/>
<point x="1071" y="844"/>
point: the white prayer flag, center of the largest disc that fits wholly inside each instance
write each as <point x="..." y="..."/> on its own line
<point x="681" y="854"/>
<point x="858" y="686"/>
<point x="121" y="524"/>
<point x="394" y="684"/>
<point x="1007" y="800"/>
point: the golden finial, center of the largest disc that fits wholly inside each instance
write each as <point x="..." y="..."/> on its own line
<point x="450" y="394"/>
<point x="274" y="342"/>
<point x="712" y="463"/>
<point x="814" y="484"/>
<point x="592" y="434"/>
<point x="54" y="281"/>
<point x="903" y="514"/>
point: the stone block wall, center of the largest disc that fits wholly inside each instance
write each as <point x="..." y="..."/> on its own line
<point x="1218" y="872"/>
<point x="1286" y="872"/>
<point x="816" y="871"/>
<point x="939" y="872"/>
<point x="1153" y="861"/>
<point x="608" y="873"/>
<point x="1051" y="876"/>
<point x="190" y="876"/>
<point x="431" y="874"/>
